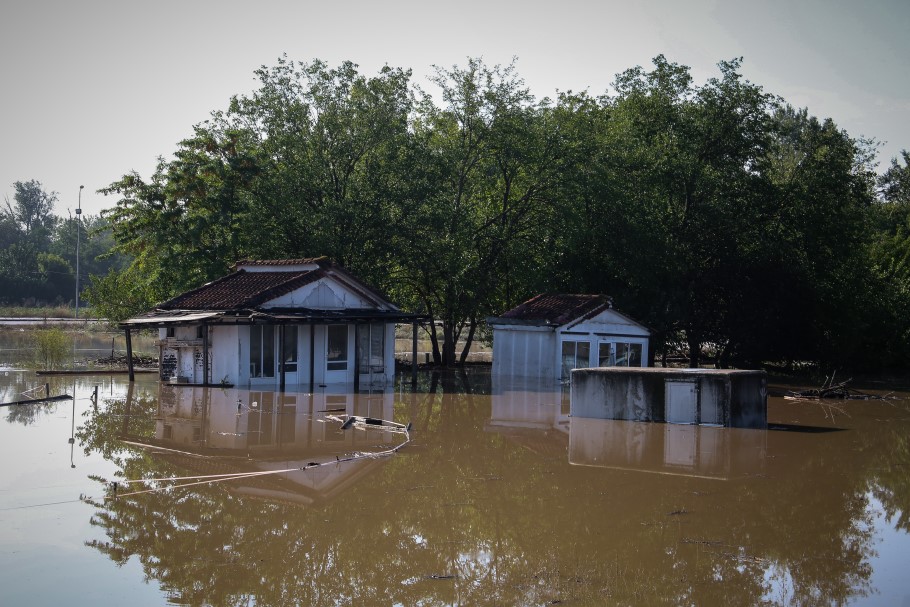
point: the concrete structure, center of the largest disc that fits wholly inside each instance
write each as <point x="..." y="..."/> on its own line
<point x="549" y="335"/>
<point x="273" y="323"/>
<point x="681" y="396"/>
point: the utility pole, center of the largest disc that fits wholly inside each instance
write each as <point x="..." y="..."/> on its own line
<point x="78" y="230"/>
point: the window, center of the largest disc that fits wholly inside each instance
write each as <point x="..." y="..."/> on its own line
<point x="289" y="350"/>
<point x="169" y="332"/>
<point x="200" y="331"/>
<point x="336" y="354"/>
<point x="606" y="357"/>
<point x="262" y="351"/>
<point x="371" y="346"/>
<point x="619" y="354"/>
<point x="575" y="355"/>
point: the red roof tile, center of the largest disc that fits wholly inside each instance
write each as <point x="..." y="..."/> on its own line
<point x="241" y="290"/>
<point x="558" y="309"/>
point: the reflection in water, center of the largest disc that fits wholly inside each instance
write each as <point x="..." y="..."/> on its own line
<point x="487" y="506"/>
<point x="690" y="450"/>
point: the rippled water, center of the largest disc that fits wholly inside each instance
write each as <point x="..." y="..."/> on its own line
<point x="499" y="499"/>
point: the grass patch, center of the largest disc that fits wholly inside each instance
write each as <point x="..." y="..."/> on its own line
<point x="42" y="312"/>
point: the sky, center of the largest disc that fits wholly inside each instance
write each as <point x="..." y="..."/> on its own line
<point x="95" y="89"/>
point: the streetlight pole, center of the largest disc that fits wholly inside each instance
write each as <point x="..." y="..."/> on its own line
<point x="78" y="230"/>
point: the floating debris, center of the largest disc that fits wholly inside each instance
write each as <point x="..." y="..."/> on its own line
<point x="355" y="421"/>
<point x="840" y="391"/>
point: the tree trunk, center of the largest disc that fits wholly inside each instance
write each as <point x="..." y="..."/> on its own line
<point x="472" y="327"/>
<point x="448" y="343"/>
<point x="694" y="342"/>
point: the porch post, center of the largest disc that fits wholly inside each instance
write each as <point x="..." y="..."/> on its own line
<point x="414" y="354"/>
<point x="129" y="354"/>
<point x="356" y="358"/>
<point x="281" y="338"/>
<point x="205" y="354"/>
<point x="312" y="357"/>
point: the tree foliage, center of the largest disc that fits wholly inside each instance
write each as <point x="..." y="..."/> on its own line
<point x="721" y="217"/>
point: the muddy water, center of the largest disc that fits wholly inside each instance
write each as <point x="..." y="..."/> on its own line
<point x="17" y="345"/>
<point x="500" y="499"/>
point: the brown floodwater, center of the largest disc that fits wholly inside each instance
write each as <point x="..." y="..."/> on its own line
<point x="499" y="498"/>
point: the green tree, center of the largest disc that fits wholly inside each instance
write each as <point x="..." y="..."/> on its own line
<point x="486" y="169"/>
<point x="26" y="226"/>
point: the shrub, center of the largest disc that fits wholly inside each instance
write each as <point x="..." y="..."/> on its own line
<point x="51" y="347"/>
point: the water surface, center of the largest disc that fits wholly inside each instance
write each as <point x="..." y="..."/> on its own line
<point x="500" y="499"/>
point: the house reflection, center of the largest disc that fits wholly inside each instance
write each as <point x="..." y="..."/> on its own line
<point x="224" y="431"/>
<point x="537" y="416"/>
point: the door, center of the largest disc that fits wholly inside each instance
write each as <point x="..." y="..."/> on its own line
<point x="338" y="359"/>
<point x="681" y="401"/>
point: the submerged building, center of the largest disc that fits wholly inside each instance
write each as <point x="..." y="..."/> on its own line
<point x="278" y="322"/>
<point x="549" y="335"/>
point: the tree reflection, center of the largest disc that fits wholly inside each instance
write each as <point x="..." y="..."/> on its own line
<point x="891" y="480"/>
<point x="469" y="516"/>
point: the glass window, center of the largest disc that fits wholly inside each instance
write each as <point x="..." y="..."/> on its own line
<point x="622" y="355"/>
<point x="635" y="355"/>
<point x="262" y="351"/>
<point x="337" y="348"/>
<point x="575" y="355"/>
<point x="371" y="346"/>
<point x="289" y="349"/>
<point x="605" y="355"/>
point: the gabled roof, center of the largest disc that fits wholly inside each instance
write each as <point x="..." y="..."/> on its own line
<point x="241" y="297"/>
<point x="554" y="309"/>
<point x="241" y="290"/>
<point x="245" y="289"/>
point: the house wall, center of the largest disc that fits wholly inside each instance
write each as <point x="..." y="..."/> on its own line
<point x="225" y="354"/>
<point x="523" y="351"/>
<point x="180" y="355"/>
<point x="537" y="351"/>
<point x="229" y="357"/>
<point x="322" y="295"/>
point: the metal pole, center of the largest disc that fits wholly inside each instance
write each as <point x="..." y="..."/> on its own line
<point x="78" y="230"/>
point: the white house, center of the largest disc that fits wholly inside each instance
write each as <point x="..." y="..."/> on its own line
<point x="273" y="323"/>
<point x="549" y="335"/>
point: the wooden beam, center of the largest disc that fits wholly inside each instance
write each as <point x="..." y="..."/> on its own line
<point x="129" y="354"/>
<point x="356" y="358"/>
<point x="414" y="354"/>
<point x="205" y="354"/>
<point x="312" y="357"/>
<point x="281" y="338"/>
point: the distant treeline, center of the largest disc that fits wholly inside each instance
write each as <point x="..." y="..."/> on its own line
<point x="38" y="249"/>
<point x="715" y="213"/>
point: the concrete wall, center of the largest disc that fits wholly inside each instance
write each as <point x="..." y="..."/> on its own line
<point x="696" y="396"/>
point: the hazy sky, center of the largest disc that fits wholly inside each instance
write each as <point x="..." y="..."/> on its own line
<point x="95" y="89"/>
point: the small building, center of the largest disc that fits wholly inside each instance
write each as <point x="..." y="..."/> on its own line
<point x="717" y="397"/>
<point x="273" y="323"/>
<point x="549" y="335"/>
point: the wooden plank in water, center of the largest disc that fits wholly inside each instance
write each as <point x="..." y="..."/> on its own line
<point x="38" y="400"/>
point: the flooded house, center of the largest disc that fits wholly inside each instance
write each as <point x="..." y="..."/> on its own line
<point x="276" y="323"/>
<point x="551" y="334"/>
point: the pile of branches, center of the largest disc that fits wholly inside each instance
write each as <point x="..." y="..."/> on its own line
<point x="835" y="391"/>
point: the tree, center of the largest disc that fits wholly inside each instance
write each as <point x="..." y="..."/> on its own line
<point x="486" y="171"/>
<point x="26" y="226"/>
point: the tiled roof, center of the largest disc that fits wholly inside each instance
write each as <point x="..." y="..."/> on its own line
<point x="241" y="290"/>
<point x="557" y="309"/>
<point x="322" y="261"/>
